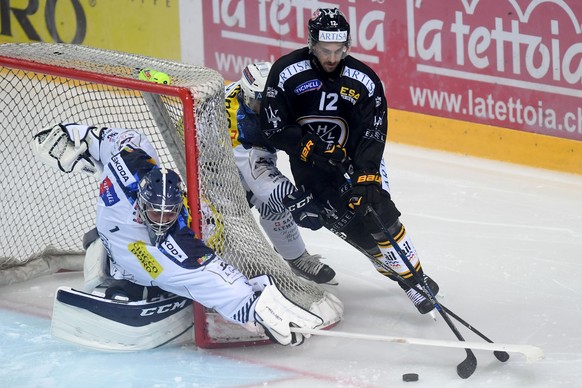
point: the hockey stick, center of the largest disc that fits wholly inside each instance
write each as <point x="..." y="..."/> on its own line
<point x="469" y="364"/>
<point x="531" y="353"/>
<point x="500" y="355"/>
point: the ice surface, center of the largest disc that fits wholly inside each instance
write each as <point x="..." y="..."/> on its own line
<point x="503" y="241"/>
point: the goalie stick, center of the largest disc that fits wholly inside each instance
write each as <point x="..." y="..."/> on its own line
<point x="531" y="353"/>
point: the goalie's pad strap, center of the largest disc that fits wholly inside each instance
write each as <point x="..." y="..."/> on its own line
<point x="89" y="237"/>
<point x="106" y="324"/>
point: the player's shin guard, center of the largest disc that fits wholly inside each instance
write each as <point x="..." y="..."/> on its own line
<point x="391" y="258"/>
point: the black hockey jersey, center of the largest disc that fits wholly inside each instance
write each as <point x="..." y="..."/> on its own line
<point x="346" y="107"/>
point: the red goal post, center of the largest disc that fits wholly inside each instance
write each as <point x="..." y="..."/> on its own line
<point x="46" y="213"/>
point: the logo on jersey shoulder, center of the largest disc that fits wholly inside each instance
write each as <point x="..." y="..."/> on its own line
<point x="107" y="192"/>
<point x="145" y="258"/>
<point x="308" y="86"/>
<point x="171" y="249"/>
<point x="136" y="215"/>
<point x="349" y="94"/>
<point x="291" y="70"/>
<point x="271" y="92"/>
<point x="203" y="259"/>
<point x="118" y="166"/>
<point x="109" y="134"/>
<point x="378" y="121"/>
<point x="128" y="138"/>
<point x="360" y="77"/>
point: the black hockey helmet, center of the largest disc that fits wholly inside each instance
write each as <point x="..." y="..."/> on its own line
<point x="328" y="25"/>
<point x="159" y="200"/>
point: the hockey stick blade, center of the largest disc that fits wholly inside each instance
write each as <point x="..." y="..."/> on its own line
<point x="501" y="356"/>
<point x="531" y="353"/>
<point x="467" y="367"/>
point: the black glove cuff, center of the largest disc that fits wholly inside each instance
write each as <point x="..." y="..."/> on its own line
<point x="367" y="177"/>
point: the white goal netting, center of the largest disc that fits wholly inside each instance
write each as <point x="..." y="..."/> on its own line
<point x="45" y="213"/>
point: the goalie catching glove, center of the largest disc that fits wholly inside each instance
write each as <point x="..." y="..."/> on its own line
<point x="65" y="148"/>
<point x="277" y="315"/>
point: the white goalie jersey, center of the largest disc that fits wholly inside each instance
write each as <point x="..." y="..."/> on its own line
<point x="179" y="263"/>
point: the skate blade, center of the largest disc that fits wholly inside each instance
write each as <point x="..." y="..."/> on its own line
<point x="331" y="282"/>
<point x="433" y="315"/>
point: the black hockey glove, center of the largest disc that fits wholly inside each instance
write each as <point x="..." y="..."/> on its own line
<point x="304" y="209"/>
<point x="321" y="154"/>
<point x="366" y="190"/>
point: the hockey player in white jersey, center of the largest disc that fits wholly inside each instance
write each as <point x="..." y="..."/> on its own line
<point x="143" y="222"/>
<point x="266" y="186"/>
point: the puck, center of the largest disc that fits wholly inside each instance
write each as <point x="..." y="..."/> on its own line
<point x="410" y="377"/>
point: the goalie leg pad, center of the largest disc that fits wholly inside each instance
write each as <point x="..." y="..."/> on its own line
<point x="105" y="324"/>
<point x="277" y="314"/>
<point x="96" y="265"/>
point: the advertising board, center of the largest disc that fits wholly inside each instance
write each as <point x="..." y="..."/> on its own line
<point x="515" y="65"/>
<point x="147" y="27"/>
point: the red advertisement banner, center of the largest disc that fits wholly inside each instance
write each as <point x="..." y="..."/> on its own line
<point x="517" y="64"/>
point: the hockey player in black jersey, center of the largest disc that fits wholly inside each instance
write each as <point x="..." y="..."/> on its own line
<point x="328" y="112"/>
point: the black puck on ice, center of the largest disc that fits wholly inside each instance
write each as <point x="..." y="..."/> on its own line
<point x="410" y="377"/>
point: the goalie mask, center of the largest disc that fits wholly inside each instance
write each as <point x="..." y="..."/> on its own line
<point x="159" y="202"/>
<point x="252" y="82"/>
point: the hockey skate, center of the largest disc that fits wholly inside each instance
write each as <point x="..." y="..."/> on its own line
<point x="311" y="268"/>
<point x="420" y="302"/>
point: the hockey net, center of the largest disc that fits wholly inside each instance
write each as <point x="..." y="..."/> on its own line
<point x="45" y="213"/>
